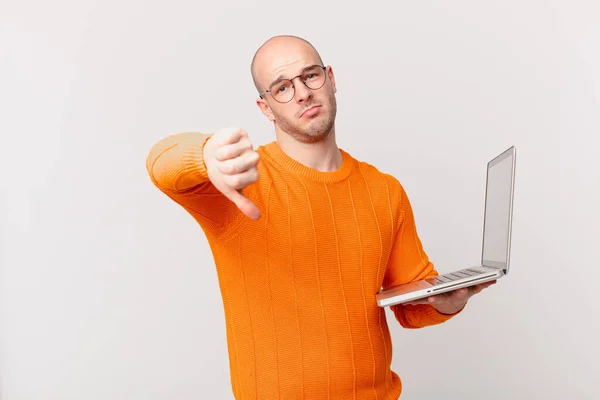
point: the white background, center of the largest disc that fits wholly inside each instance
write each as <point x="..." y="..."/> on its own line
<point x="108" y="288"/>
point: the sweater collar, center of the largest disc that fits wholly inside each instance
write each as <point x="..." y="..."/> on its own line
<point x="297" y="168"/>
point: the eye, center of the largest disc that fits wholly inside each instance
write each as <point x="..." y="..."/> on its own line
<point x="281" y="87"/>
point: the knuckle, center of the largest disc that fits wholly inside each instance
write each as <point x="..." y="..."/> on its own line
<point x="221" y="153"/>
<point x="236" y="181"/>
<point x="242" y="146"/>
<point x="229" y="180"/>
<point x="228" y="168"/>
<point x="228" y="135"/>
<point x="225" y="168"/>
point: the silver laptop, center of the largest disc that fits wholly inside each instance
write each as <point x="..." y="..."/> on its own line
<point x="495" y="255"/>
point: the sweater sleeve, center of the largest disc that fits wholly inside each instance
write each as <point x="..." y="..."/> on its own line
<point x="408" y="262"/>
<point x="176" y="167"/>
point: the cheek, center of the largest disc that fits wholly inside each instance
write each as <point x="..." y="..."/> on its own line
<point x="326" y="97"/>
<point x="285" y="115"/>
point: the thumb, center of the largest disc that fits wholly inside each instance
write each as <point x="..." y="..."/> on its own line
<point x="245" y="205"/>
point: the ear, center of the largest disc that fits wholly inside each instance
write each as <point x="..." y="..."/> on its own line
<point x="265" y="108"/>
<point x="332" y="78"/>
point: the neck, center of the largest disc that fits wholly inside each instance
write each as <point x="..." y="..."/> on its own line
<point x="322" y="156"/>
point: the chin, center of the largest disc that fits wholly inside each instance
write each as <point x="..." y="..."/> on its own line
<point x="312" y="131"/>
<point x="314" y="135"/>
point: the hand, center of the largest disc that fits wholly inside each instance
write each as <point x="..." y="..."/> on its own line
<point x="454" y="301"/>
<point x="230" y="162"/>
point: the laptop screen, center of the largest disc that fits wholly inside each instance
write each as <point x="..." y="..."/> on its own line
<point x="498" y="210"/>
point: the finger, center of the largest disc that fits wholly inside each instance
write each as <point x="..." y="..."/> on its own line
<point x="244" y="204"/>
<point x="441" y="298"/>
<point x="459" y="295"/>
<point x="482" y="286"/>
<point x="478" y="289"/>
<point x="417" y="302"/>
<point x="230" y="136"/>
<point x="233" y="150"/>
<point x="239" y="164"/>
<point x="241" y="180"/>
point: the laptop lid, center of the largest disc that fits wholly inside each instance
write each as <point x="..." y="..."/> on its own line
<point x="497" y="221"/>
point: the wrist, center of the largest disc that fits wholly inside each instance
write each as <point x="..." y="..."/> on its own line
<point x="448" y="309"/>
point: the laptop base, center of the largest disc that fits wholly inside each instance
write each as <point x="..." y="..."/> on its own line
<point x="431" y="287"/>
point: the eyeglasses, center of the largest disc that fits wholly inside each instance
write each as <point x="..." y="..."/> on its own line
<point x="283" y="91"/>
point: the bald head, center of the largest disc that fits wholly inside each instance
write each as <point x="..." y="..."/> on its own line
<point x="278" y="50"/>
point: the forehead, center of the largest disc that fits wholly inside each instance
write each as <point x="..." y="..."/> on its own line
<point x="284" y="58"/>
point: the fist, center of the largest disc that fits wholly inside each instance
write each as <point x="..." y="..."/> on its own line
<point x="231" y="162"/>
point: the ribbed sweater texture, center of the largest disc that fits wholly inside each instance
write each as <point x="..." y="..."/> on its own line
<point x="298" y="285"/>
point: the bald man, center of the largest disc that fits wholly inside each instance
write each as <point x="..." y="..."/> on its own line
<point x="303" y="236"/>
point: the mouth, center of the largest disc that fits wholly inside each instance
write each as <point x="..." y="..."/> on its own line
<point x="310" y="111"/>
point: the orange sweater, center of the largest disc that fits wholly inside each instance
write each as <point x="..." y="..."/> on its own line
<point x="298" y="285"/>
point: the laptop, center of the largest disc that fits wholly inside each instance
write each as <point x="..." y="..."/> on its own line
<point x="495" y="253"/>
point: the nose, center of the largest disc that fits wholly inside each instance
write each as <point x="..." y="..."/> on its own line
<point x="301" y="92"/>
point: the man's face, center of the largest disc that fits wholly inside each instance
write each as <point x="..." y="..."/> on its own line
<point x="310" y="115"/>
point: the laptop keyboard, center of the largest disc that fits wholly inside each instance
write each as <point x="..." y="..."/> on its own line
<point x="453" y="276"/>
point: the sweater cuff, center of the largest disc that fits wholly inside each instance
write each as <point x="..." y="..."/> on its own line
<point x="437" y="317"/>
<point x="193" y="159"/>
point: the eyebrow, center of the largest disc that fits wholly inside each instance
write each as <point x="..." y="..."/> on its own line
<point x="281" y="77"/>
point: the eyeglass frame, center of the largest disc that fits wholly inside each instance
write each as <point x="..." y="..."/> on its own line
<point x="324" y="68"/>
